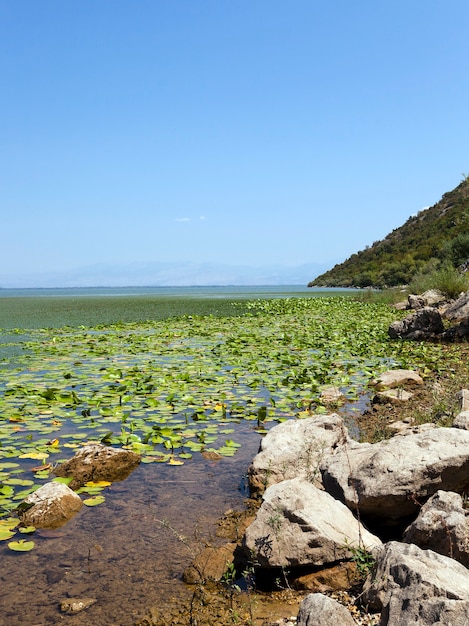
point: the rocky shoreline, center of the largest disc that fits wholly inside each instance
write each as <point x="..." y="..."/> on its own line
<point x="335" y="530"/>
<point x="321" y="493"/>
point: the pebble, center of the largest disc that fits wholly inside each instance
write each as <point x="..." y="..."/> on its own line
<point x="75" y="605"/>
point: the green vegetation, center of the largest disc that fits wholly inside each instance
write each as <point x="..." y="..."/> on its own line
<point x="363" y="559"/>
<point x="174" y="388"/>
<point x="55" y="312"/>
<point x="432" y="240"/>
<point x="446" y="279"/>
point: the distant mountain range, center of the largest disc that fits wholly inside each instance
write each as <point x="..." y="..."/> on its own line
<point x="434" y="237"/>
<point x="165" y="275"/>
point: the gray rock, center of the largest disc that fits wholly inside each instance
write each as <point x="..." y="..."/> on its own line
<point x="332" y="396"/>
<point x="53" y="505"/>
<point x="415" y="302"/>
<point x="392" y="396"/>
<point x="397" y="378"/>
<point x="457" y="334"/>
<point x="295" y="448"/>
<point x="98" y="462"/>
<point x="458" y="311"/>
<point x="414" y="586"/>
<point x="385" y="480"/>
<point x="71" y="606"/>
<point x="462" y="420"/>
<point x="408" y="606"/>
<point x="423" y="324"/>
<point x="431" y="297"/>
<point x="298" y="524"/>
<point x="442" y="526"/>
<point x="463" y="399"/>
<point x="320" y="610"/>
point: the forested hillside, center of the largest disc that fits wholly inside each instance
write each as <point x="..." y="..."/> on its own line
<point x="435" y="237"/>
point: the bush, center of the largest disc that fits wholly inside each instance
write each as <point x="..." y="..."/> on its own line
<point x="457" y="250"/>
<point x="446" y="279"/>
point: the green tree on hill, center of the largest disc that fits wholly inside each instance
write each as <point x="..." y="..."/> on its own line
<point x="433" y="239"/>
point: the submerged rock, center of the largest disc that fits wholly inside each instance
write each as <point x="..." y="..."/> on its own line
<point x="98" y="462"/>
<point x="210" y="565"/>
<point x="52" y="505"/>
<point x="76" y="605"/>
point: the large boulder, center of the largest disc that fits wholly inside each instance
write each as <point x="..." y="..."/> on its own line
<point x="386" y="480"/>
<point x="414" y="586"/>
<point x="298" y="524"/>
<point x="50" y="506"/>
<point x="98" y="462"/>
<point x="295" y="448"/>
<point x="458" y="310"/>
<point x="318" y="609"/>
<point x="442" y="526"/>
<point x="458" y="333"/>
<point x="423" y="324"/>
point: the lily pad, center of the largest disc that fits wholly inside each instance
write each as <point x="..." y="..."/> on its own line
<point x="21" y="546"/>
<point x="6" y="533"/>
<point x="94" y="501"/>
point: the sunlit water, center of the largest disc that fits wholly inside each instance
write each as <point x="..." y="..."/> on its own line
<point x="126" y="553"/>
<point x="119" y="552"/>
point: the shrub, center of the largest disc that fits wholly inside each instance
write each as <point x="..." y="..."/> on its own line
<point x="457" y="250"/>
<point x="446" y="279"/>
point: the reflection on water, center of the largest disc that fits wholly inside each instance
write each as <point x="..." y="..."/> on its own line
<point x="119" y="552"/>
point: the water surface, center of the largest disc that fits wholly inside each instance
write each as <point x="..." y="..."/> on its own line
<point x="126" y="553"/>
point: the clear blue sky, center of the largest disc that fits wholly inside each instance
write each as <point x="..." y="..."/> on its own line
<point x="246" y="132"/>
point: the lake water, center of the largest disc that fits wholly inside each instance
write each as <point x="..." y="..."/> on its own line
<point x="228" y="291"/>
<point x="121" y="553"/>
<point x="53" y="308"/>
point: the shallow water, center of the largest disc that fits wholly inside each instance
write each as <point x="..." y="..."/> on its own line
<point x="119" y="552"/>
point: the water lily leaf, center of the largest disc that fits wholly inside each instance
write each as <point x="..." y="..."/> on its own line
<point x="9" y="522"/>
<point x="173" y="461"/>
<point x="38" y="456"/>
<point x="66" y="480"/>
<point x="21" y="546"/>
<point x="6" y="533"/>
<point x="98" y="483"/>
<point x="94" y="501"/>
<point x="42" y="474"/>
<point x="27" y="530"/>
<point x="90" y="490"/>
<point x="18" y="481"/>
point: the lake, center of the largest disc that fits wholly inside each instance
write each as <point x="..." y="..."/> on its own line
<point x="127" y="552"/>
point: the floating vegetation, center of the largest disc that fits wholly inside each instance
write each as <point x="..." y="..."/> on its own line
<point x="174" y="388"/>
